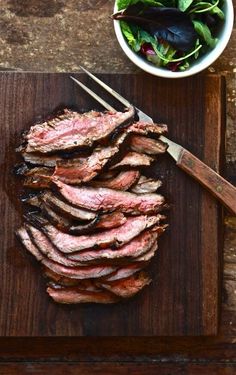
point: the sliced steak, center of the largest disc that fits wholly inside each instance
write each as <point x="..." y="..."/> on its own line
<point x="73" y="272"/>
<point x="39" y="159"/>
<point x="149" y="254"/>
<point x="135" y="248"/>
<point x="123" y="181"/>
<point x="60" y="280"/>
<point x="125" y="272"/>
<point x="84" y="169"/>
<point x="75" y="295"/>
<point x="117" y="237"/>
<point x="66" y="209"/>
<point x="146" y="185"/>
<point x="146" y="145"/>
<point x="127" y="288"/>
<point x="109" y="200"/>
<point x="46" y="247"/>
<point x="38" y="178"/>
<point x="79" y="131"/>
<point x="133" y="159"/>
<point x="106" y="221"/>
<point x="145" y="128"/>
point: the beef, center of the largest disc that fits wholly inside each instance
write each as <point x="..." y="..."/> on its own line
<point x="146" y="145"/>
<point x="145" y="128"/>
<point x="111" y="220"/>
<point x="82" y="130"/>
<point x="83" y="169"/>
<point x="135" y="248"/>
<point x="106" y="221"/>
<point x="109" y="200"/>
<point x="125" y="271"/>
<point x="146" y="185"/>
<point x="75" y="295"/>
<point x="149" y="254"/>
<point x="127" y="288"/>
<point x="66" y="209"/>
<point x="46" y="248"/>
<point x="38" y="178"/>
<point x="73" y="272"/>
<point x="123" y="181"/>
<point x="61" y="280"/>
<point x="42" y="160"/>
<point x="133" y="159"/>
<point x="117" y="237"/>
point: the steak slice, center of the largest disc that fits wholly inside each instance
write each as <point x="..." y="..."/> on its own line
<point x="146" y="145"/>
<point x="38" y="178"/>
<point x="106" y="221"/>
<point x="61" y="280"/>
<point x="134" y="159"/>
<point x="71" y="295"/>
<point x="127" y="288"/>
<point x="83" y="169"/>
<point x="71" y="272"/>
<point x="149" y="254"/>
<point x="123" y="181"/>
<point x="45" y="247"/>
<point x="145" y="128"/>
<point x="109" y="200"/>
<point x="136" y="247"/>
<point x="117" y="237"/>
<point x="146" y="185"/>
<point x="82" y="130"/>
<point x="125" y="272"/>
<point x="66" y="209"/>
<point x="42" y="160"/>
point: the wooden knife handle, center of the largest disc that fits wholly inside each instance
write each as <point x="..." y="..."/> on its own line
<point x="217" y="185"/>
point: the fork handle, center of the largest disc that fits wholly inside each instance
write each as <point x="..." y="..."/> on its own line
<point x="217" y="185"/>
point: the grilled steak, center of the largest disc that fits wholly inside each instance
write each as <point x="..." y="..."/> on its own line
<point x="75" y="295"/>
<point x="135" y="248"/>
<point x="146" y="145"/>
<point x="148" y="255"/>
<point x="106" y="221"/>
<point x="38" y="178"/>
<point x="81" y="130"/>
<point x="109" y="200"/>
<point x="146" y="185"/>
<point x="127" y="288"/>
<point x="116" y="237"/>
<point x="66" y="209"/>
<point x="146" y="128"/>
<point x="73" y="272"/>
<point x="59" y="279"/>
<point x="133" y="159"/>
<point x="83" y="169"/>
<point x="123" y="181"/>
<point x="39" y="159"/>
<point x="125" y="272"/>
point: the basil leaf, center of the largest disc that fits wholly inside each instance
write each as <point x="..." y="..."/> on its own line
<point x="183" y="5"/>
<point x="205" y="33"/>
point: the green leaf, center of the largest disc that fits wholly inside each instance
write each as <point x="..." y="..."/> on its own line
<point x="183" y="5"/>
<point x="131" y="39"/>
<point x="218" y="12"/>
<point x="205" y="33"/>
<point x="123" y="4"/>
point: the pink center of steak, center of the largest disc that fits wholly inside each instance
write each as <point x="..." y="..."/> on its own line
<point x="109" y="199"/>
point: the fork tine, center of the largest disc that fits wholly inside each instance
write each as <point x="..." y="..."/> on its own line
<point x="107" y="88"/>
<point x="95" y="96"/>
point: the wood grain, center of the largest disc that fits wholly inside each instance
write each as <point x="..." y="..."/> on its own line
<point x="175" y="303"/>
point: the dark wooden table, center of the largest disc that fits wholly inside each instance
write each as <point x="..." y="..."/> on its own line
<point x="58" y="35"/>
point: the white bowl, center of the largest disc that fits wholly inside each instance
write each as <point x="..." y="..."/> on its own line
<point x="196" y="67"/>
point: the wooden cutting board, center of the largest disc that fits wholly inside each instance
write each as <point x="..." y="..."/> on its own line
<point x="184" y="295"/>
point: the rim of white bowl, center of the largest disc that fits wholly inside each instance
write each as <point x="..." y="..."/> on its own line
<point x="199" y="66"/>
